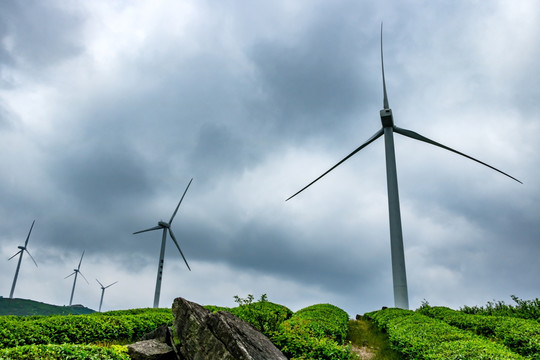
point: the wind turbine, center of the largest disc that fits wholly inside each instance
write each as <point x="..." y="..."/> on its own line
<point x="76" y="272"/>
<point x="20" y="253"/>
<point x="103" y="292"/>
<point x="401" y="299"/>
<point x="166" y="227"/>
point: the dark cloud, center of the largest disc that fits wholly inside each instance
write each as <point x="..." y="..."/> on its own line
<point x="252" y="101"/>
<point x="38" y="33"/>
<point x="313" y="81"/>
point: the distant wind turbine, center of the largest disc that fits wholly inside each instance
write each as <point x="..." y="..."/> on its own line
<point x="103" y="292"/>
<point x="401" y="298"/>
<point x="76" y="272"/>
<point x="20" y="253"/>
<point x="166" y="227"/>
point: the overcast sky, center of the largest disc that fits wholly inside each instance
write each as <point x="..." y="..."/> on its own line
<point x="109" y="108"/>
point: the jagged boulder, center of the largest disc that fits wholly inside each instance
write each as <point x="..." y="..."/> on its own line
<point x="152" y="349"/>
<point x="155" y="345"/>
<point x="205" y="335"/>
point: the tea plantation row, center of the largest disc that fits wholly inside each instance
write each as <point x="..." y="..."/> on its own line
<point x="441" y="333"/>
<point x="316" y="332"/>
<point x="520" y="335"/>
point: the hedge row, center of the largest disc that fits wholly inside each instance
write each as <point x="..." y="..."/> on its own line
<point x="520" y="335"/>
<point x="421" y="337"/>
<point x="525" y="309"/>
<point x="79" y="329"/>
<point x="315" y="332"/>
<point x="65" y="351"/>
<point x="263" y="315"/>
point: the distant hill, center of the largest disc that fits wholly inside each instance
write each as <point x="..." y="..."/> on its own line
<point x="24" y="307"/>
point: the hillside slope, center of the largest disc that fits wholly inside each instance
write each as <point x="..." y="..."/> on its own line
<point x="25" y="307"/>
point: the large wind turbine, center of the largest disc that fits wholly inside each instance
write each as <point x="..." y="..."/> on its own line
<point x="76" y="272"/>
<point x="20" y="253"/>
<point x="401" y="299"/>
<point x="166" y="227"/>
<point x="103" y="292"/>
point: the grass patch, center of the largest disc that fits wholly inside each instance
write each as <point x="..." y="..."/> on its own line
<point x="363" y="333"/>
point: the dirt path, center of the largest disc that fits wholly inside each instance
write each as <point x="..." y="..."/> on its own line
<point x="364" y="352"/>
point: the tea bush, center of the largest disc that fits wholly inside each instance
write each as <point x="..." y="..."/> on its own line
<point x="520" y="335"/>
<point x="263" y="314"/>
<point x="525" y="309"/>
<point x="65" y="351"/>
<point x="315" y="332"/>
<point x="79" y="329"/>
<point x="418" y="336"/>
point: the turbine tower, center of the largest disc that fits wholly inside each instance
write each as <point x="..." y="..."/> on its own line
<point x="20" y="253"/>
<point x="76" y="272"/>
<point x="166" y="227"/>
<point x="103" y="292"/>
<point x="401" y="298"/>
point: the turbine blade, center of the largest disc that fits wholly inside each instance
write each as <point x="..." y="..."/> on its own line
<point x="154" y="228"/>
<point x="371" y="139"/>
<point x="385" y="101"/>
<point x="178" y="246"/>
<point x="18" y="252"/>
<point x="73" y="273"/>
<point x="80" y="262"/>
<point x="84" y="278"/>
<point x="416" y="136"/>
<point x="182" y="198"/>
<point x="28" y="237"/>
<point x="111" y="284"/>
<point x="31" y="257"/>
<point x="99" y="283"/>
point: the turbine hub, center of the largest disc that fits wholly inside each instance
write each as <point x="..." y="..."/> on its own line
<point x="164" y="224"/>
<point x="387" y="118"/>
<point x="21" y="247"/>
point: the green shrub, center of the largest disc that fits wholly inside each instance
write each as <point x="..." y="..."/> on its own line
<point x="315" y="332"/>
<point x="65" y="351"/>
<point x="79" y="329"/>
<point x="262" y="314"/>
<point x="421" y="337"/>
<point x="520" y="335"/>
<point x="525" y="309"/>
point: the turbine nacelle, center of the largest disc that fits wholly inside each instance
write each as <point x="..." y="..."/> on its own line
<point x="164" y="224"/>
<point x="387" y="119"/>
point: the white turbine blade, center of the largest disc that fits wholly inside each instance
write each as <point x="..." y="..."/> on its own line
<point x="99" y="283"/>
<point x="80" y="262"/>
<point x="373" y="138"/>
<point x="73" y="273"/>
<point x="28" y="237"/>
<point x="178" y="246"/>
<point x="385" y="101"/>
<point x="18" y="252"/>
<point x="84" y="278"/>
<point x="154" y="228"/>
<point x="182" y="198"/>
<point x="31" y="257"/>
<point x="111" y="284"/>
<point x="416" y="136"/>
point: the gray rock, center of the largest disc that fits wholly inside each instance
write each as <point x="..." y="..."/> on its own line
<point x="152" y="349"/>
<point x="220" y="336"/>
<point x="163" y="333"/>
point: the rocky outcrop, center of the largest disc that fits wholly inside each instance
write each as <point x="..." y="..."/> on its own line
<point x="156" y="345"/>
<point x="218" y="336"/>
<point x="163" y="334"/>
<point x="152" y="349"/>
